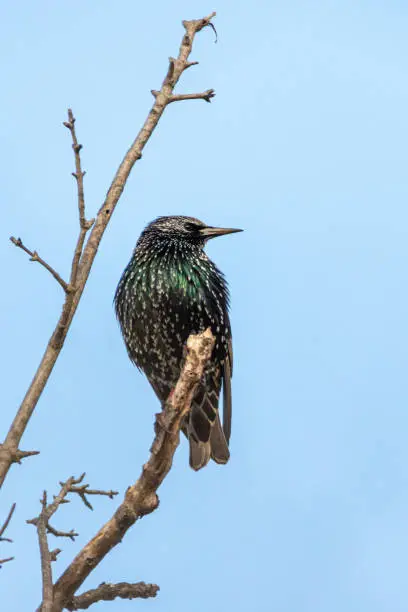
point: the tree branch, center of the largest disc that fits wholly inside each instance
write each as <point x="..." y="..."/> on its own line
<point x="6" y="524"/>
<point x="83" y="491"/>
<point x="6" y="560"/>
<point x="205" y="95"/>
<point x="79" y="174"/>
<point x="46" y="571"/>
<point x="42" y="524"/>
<point x="109" y="592"/>
<point x="176" y="67"/>
<point x="3" y="529"/>
<point x="141" y="498"/>
<point x="34" y="256"/>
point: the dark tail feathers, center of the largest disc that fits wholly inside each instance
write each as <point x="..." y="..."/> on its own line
<point x="216" y="448"/>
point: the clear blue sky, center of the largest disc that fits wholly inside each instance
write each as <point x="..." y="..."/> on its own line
<point x="305" y="147"/>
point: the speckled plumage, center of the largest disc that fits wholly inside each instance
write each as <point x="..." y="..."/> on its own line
<point x="169" y="290"/>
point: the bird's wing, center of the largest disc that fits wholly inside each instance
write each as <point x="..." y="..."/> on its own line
<point x="226" y="388"/>
<point x="204" y="428"/>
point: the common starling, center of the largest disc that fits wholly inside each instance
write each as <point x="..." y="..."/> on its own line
<point x="169" y="290"/>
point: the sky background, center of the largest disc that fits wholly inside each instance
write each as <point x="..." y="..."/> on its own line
<point x="305" y="147"/>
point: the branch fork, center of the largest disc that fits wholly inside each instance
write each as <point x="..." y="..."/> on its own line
<point x="42" y="524"/>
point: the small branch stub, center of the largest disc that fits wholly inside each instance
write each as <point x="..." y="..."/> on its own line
<point x="54" y="553"/>
<point x="20" y="455"/>
<point x="189" y="64"/>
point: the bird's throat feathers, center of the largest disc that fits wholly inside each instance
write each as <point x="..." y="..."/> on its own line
<point x="174" y="266"/>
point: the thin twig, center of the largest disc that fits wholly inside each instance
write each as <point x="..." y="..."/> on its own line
<point x="79" y="174"/>
<point x="176" y="68"/>
<point x="72" y="534"/>
<point x="34" y="256"/>
<point x="6" y="524"/>
<point x="141" y="498"/>
<point x="3" y="529"/>
<point x="46" y="571"/>
<point x="83" y="491"/>
<point x="6" y="560"/>
<point x="205" y="95"/>
<point x="109" y="592"/>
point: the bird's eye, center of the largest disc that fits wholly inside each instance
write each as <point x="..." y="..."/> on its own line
<point x="192" y="228"/>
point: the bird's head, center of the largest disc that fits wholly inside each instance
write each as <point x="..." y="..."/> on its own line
<point x="185" y="229"/>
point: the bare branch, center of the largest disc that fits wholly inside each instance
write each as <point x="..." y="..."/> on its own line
<point x="109" y="592"/>
<point x="42" y="524"/>
<point x="6" y="560"/>
<point x="55" y="532"/>
<point x="72" y="534"/>
<point x="176" y="68"/>
<point x="83" y="491"/>
<point x="205" y="95"/>
<point x="70" y="486"/>
<point x="141" y="498"/>
<point x="43" y="528"/>
<point x="34" y="256"/>
<point x="3" y="529"/>
<point x="60" y="498"/>
<point x="79" y="174"/>
<point x="6" y="524"/>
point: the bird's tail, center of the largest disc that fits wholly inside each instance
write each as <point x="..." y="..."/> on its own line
<point x="204" y="430"/>
<point x="216" y="448"/>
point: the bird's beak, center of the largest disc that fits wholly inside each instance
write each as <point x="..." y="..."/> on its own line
<point x="212" y="232"/>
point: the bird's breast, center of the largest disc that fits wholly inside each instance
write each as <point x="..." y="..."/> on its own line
<point x="161" y="305"/>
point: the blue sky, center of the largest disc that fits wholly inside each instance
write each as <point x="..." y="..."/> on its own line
<point x="305" y="148"/>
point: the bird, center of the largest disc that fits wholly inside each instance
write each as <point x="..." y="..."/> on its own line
<point x="169" y="290"/>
